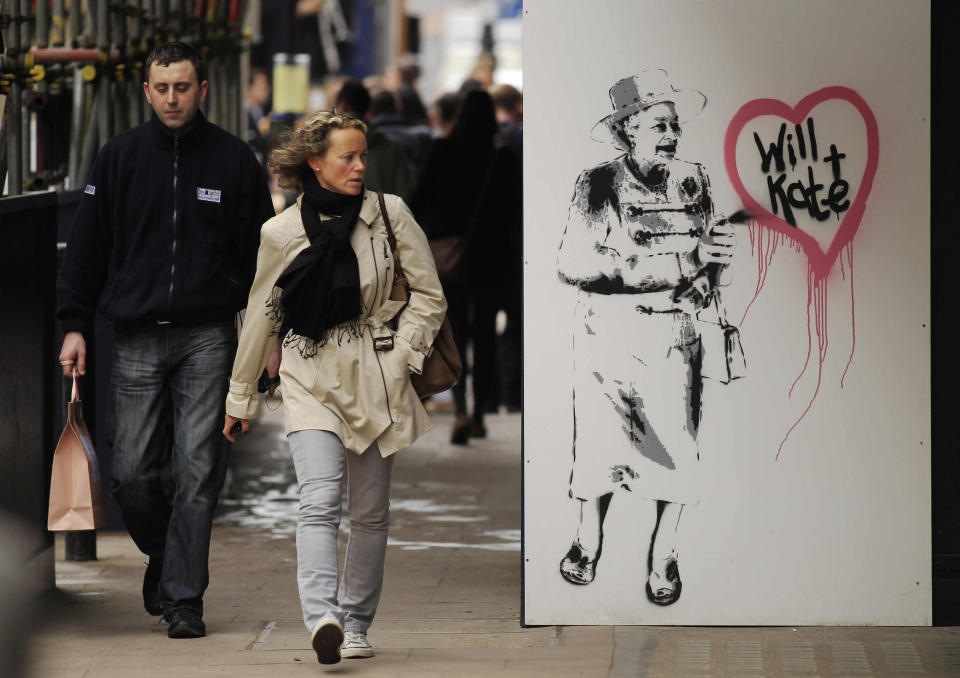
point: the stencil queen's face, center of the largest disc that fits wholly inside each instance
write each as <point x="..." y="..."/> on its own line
<point x="652" y="133"/>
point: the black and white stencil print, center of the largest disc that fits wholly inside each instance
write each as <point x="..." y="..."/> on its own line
<point x="649" y="256"/>
<point x="650" y="472"/>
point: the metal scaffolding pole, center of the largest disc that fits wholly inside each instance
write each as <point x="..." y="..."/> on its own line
<point x="42" y="35"/>
<point x="58" y="24"/>
<point x="103" y="108"/>
<point x="234" y="101"/>
<point x="90" y="141"/>
<point x="76" y="27"/>
<point x="14" y="109"/>
<point x="25" y="23"/>
<point x="76" y="130"/>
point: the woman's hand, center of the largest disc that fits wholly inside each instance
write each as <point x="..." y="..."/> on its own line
<point x="398" y="359"/>
<point x="228" y="427"/>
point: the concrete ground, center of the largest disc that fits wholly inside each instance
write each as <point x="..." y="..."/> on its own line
<point x="451" y="602"/>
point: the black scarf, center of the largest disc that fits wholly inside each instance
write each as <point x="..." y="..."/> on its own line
<point x="320" y="289"/>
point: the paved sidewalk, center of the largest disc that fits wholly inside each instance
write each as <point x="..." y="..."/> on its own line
<point x="451" y="603"/>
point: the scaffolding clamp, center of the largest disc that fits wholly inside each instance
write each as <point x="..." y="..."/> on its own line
<point x="37" y="73"/>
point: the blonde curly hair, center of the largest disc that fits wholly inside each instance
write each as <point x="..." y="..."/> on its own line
<point x="312" y="137"/>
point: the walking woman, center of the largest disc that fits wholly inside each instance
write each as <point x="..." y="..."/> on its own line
<point x="646" y="251"/>
<point x="324" y="275"/>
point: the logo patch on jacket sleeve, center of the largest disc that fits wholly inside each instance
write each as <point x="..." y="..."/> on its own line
<point x="90" y="189"/>
<point x="208" y="194"/>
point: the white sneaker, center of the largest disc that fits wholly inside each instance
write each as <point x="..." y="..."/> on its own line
<point x="355" y="645"/>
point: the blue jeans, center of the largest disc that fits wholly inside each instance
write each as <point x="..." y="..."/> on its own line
<point x="167" y="393"/>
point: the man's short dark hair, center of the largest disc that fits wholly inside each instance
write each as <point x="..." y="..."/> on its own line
<point x="356" y="96"/>
<point x="167" y="53"/>
<point x="506" y="97"/>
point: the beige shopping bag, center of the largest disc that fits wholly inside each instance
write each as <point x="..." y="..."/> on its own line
<point x="76" y="498"/>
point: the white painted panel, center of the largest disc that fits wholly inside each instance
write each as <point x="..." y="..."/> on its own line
<point x="834" y="526"/>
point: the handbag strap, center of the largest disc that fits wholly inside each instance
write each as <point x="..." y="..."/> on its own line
<point x="391" y="238"/>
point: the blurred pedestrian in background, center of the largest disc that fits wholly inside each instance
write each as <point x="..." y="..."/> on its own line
<point x="388" y="167"/>
<point x="470" y="187"/>
<point x="401" y="78"/>
<point x="443" y="113"/>
<point x="385" y="116"/>
<point x="323" y="287"/>
<point x="508" y="102"/>
<point x="481" y="75"/>
<point x="256" y="105"/>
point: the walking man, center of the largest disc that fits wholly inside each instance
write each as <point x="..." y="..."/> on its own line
<point x="164" y="245"/>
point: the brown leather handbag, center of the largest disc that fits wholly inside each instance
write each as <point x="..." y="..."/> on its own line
<point x="442" y="366"/>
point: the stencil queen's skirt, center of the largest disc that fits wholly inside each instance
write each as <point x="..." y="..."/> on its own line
<point x="637" y="389"/>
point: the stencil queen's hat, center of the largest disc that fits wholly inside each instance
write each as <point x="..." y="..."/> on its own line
<point x="643" y="90"/>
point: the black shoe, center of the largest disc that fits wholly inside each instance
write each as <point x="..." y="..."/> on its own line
<point x="151" y="587"/>
<point x="185" y="623"/>
<point x="461" y="430"/>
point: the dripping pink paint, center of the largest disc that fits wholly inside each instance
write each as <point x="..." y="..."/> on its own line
<point x="767" y="231"/>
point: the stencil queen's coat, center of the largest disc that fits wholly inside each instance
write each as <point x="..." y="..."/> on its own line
<point x="361" y="395"/>
<point x="637" y="342"/>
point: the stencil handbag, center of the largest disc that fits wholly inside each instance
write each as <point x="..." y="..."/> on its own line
<point x="76" y="497"/>
<point x="442" y="366"/>
<point x="723" y="358"/>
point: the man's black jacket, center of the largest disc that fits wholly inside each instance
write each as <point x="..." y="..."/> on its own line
<point x="167" y="229"/>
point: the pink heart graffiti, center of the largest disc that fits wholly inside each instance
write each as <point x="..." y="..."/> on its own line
<point x="820" y="262"/>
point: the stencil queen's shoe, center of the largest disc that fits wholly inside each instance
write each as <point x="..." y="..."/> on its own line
<point x="577" y="567"/>
<point x="663" y="587"/>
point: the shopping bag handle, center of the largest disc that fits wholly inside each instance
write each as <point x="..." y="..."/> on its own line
<point x="74" y="392"/>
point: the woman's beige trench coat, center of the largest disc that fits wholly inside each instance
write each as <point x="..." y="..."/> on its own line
<point x="361" y="395"/>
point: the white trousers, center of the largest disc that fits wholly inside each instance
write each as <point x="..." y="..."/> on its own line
<point x="319" y="458"/>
